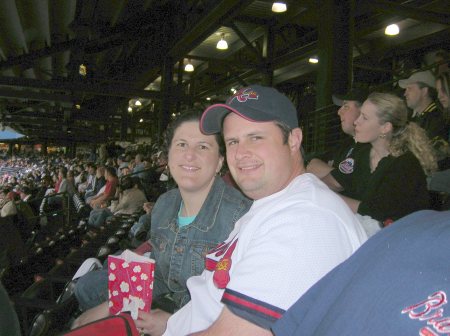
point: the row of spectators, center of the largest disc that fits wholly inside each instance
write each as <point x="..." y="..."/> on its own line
<point x="33" y="179"/>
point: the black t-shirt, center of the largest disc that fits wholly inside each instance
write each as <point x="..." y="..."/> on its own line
<point x="352" y="170"/>
<point x="396" y="188"/>
<point x="338" y="152"/>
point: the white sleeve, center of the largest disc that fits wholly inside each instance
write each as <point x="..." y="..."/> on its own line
<point x="281" y="259"/>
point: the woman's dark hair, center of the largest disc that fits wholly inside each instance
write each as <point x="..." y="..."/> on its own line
<point x="63" y="171"/>
<point x="111" y="171"/>
<point x="126" y="183"/>
<point x="187" y="116"/>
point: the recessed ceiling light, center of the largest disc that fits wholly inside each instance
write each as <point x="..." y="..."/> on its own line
<point x="392" y="30"/>
<point x="141" y="120"/>
<point x="208" y="98"/>
<point x="189" y="67"/>
<point x="130" y="109"/>
<point x="279" y="7"/>
<point x="222" y="44"/>
<point x="82" y="70"/>
<point x="313" y="60"/>
<point x="138" y="103"/>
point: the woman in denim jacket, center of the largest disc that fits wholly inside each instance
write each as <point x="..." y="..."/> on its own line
<point x="186" y="222"/>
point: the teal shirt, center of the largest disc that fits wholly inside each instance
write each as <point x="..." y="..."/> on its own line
<point x="183" y="221"/>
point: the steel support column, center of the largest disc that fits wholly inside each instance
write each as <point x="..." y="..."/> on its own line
<point x="166" y="83"/>
<point x="335" y="59"/>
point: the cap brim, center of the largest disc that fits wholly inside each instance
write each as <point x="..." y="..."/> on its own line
<point x="211" y="120"/>
<point x="403" y="83"/>
<point x="337" y="100"/>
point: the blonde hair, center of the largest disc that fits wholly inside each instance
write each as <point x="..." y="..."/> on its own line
<point x="406" y="136"/>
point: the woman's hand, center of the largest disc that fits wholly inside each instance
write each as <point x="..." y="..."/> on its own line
<point x="91" y="315"/>
<point x="153" y="323"/>
<point x="148" y="206"/>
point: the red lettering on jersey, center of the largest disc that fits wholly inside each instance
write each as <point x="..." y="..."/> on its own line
<point x="427" y="332"/>
<point x="434" y="301"/>
<point x="441" y="326"/>
<point x="430" y="310"/>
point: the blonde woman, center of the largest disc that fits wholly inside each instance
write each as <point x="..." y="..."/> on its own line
<point x="399" y="160"/>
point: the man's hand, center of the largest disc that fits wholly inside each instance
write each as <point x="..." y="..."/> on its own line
<point x="153" y="323"/>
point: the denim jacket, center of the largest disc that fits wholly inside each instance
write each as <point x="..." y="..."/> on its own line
<point x="179" y="251"/>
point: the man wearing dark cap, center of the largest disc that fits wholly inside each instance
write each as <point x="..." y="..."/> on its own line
<point x="294" y="233"/>
<point x="337" y="166"/>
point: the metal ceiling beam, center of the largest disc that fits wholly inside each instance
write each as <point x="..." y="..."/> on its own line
<point x="33" y="95"/>
<point x="88" y="87"/>
<point x="26" y="60"/>
<point x="419" y="14"/>
<point x="223" y="12"/>
<point x="247" y="42"/>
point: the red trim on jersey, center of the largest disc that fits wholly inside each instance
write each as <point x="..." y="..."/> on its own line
<point x="251" y="305"/>
<point x="210" y="264"/>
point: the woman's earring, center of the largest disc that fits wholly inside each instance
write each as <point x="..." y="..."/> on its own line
<point x="382" y="136"/>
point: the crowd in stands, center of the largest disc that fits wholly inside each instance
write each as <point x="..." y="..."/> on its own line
<point x="233" y="255"/>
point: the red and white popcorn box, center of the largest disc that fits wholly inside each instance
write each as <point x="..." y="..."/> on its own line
<point x="130" y="283"/>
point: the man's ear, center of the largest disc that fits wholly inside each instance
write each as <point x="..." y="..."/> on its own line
<point x="295" y="139"/>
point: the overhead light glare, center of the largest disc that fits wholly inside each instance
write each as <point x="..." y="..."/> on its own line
<point x="279" y="7"/>
<point x="189" y="67"/>
<point x="208" y="98"/>
<point x="130" y="109"/>
<point x="313" y="60"/>
<point x="174" y="115"/>
<point x="77" y="106"/>
<point x="392" y="30"/>
<point x="141" y="120"/>
<point x="233" y="90"/>
<point x="82" y="70"/>
<point x="138" y="103"/>
<point x="222" y="44"/>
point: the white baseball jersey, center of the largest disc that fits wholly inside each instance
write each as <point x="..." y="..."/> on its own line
<point x="276" y="252"/>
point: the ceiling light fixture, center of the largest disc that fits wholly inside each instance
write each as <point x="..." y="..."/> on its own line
<point x="130" y="109"/>
<point x="138" y="103"/>
<point x="141" y="120"/>
<point x="222" y="44"/>
<point x="208" y="98"/>
<point x="82" y="70"/>
<point x="189" y="67"/>
<point x="279" y="7"/>
<point x="392" y="30"/>
<point x="313" y="60"/>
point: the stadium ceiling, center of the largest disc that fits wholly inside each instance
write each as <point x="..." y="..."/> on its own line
<point x="71" y="69"/>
